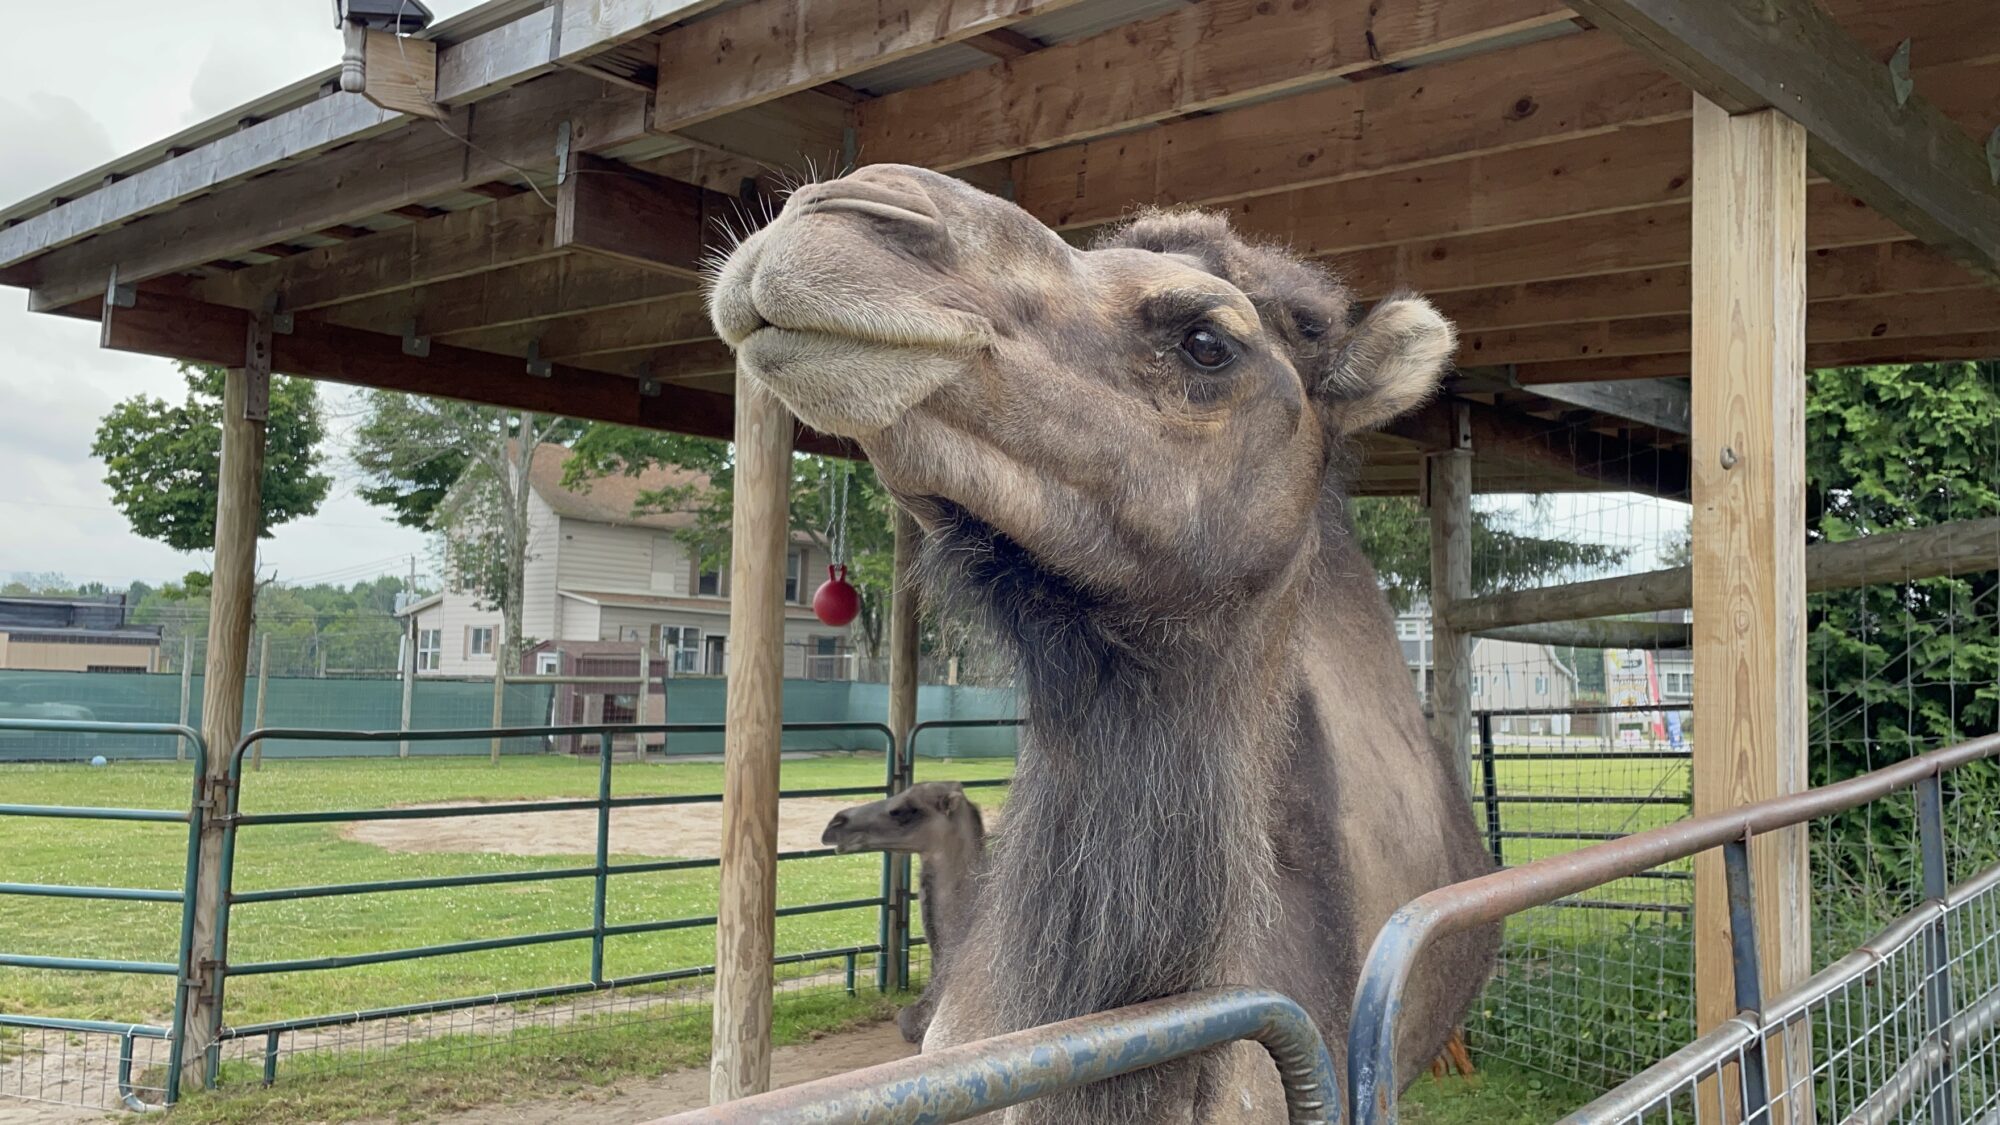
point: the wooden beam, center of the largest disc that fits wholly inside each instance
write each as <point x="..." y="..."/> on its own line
<point x="1580" y="84"/>
<point x="545" y="289"/>
<point x="904" y="620"/>
<point x="804" y="131"/>
<point x="605" y="208"/>
<point x="679" y="319"/>
<point x="477" y="239"/>
<point x="1564" y="452"/>
<point x="1603" y="632"/>
<point x="510" y="130"/>
<point x="1199" y="57"/>
<point x="179" y="328"/>
<point x="1003" y="43"/>
<point x="1902" y="156"/>
<point x="766" y="49"/>
<point x="400" y="74"/>
<point x="745" y="928"/>
<point x="1660" y="403"/>
<point x="238" y="524"/>
<point x="1449" y="473"/>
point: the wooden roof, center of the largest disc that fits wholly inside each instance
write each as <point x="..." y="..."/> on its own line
<point x="540" y="245"/>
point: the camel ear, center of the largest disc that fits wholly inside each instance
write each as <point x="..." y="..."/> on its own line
<point x="949" y="798"/>
<point x="1388" y="364"/>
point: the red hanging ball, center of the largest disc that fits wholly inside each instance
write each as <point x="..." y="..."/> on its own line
<point x="836" y="602"/>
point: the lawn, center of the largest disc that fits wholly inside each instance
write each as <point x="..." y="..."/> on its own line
<point x="141" y="855"/>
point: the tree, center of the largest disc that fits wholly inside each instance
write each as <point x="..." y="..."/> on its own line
<point x="1906" y="666"/>
<point x="1395" y="534"/>
<point x="405" y="442"/>
<point x="163" y="459"/>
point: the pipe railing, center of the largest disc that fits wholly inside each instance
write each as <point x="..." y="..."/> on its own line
<point x="1371" y="1050"/>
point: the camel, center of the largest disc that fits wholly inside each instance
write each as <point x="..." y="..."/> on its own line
<point x="1133" y="460"/>
<point x="934" y="820"/>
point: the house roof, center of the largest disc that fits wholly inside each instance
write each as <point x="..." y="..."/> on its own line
<point x="611" y="499"/>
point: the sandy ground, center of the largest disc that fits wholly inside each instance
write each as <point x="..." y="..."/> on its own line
<point x="643" y="1100"/>
<point x="678" y="831"/>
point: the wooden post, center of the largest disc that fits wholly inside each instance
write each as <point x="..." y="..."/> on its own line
<point x="1450" y="488"/>
<point x="903" y="611"/>
<point x="238" y="512"/>
<point x="1748" y="479"/>
<point x="745" y="931"/>
<point x="640" y="704"/>
<point x="499" y="705"/>
<point x="187" y="696"/>
<point x="263" y="682"/>
<point x="409" y="683"/>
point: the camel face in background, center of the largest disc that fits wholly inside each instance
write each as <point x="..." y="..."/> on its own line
<point x="1149" y="418"/>
<point x="917" y="820"/>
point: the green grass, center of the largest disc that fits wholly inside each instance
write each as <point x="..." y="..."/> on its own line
<point x="141" y="855"/>
<point x="1500" y="1094"/>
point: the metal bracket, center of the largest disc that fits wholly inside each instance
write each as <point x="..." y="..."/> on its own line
<point x="257" y="367"/>
<point x="119" y="296"/>
<point x="649" y="387"/>
<point x="537" y="366"/>
<point x="1899" y="73"/>
<point x="562" y="152"/>
<point x="1461" y="427"/>
<point x="414" y="343"/>
<point x="282" y="322"/>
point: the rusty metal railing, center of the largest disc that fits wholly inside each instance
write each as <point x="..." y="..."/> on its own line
<point x="992" y="1074"/>
<point x="1371" y="1051"/>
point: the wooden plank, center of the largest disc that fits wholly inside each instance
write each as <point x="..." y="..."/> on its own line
<point x="512" y="130"/>
<point x="765" y="49"/>
<point x="504" y="233"/>
<point x="1906" y="160"/>
<point x="605" y="208"/>
<point x="1659" y="403"/>
<point x="1199" y="57"/>
<point x="745" y="928"/>
<point x="400" y="74"/>
<point x="1964" y="547"/>
<point x="540" y="290"/>
<point x="1580" y="84"/>
<point x="179" y="328"/>
<point x="807" y="130"/>
<point x="1602" y="632"/>
<point x="1833" y="274"/>
<point x="1559" y="453"/>
<point x="1450" y="475"/>
<point x="679" y="319"/>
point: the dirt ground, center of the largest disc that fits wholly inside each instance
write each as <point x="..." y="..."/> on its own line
<point x="677" y="831"/>
<point x="681" y="1090"/>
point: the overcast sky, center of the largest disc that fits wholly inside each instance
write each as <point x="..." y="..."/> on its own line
<point x="80" y="83"/>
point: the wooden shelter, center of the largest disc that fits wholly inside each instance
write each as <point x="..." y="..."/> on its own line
<point x="1648" y="218"/>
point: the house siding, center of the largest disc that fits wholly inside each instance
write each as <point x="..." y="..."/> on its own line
<point x="538" y="575"/>
<point x="454" y="616"/>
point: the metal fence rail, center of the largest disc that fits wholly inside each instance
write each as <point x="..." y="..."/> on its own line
<point x="992" y="1074"/>
<point x="1372" y="1032"/>
<point x="130" y="1094"/>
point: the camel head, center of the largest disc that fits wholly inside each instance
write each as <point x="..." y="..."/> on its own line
<point x="1153" y="418"/>
<point x="919" y="819"/>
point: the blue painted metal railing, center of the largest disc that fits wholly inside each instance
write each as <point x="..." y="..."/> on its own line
<point x="965" y="1081"/>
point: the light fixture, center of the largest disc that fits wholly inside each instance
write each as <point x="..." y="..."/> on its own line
<point x="400" y="16"/>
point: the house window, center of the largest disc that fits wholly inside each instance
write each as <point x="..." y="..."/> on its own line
<point x="823" y="659"/>
<point x="1541" y="684"/>
<point x="794" y="567"/>
<point x="430" y="646"/>
<point x="709" y="581"/>
<point x="479" y="640"/>
<point x="1406" y="629"/>
<point x="547" y="663"/>
<point x="663" y="562"/>
<point x="1479" y="685"/>
<point x="1677" y="683"/>
<point x="681" y="644"/>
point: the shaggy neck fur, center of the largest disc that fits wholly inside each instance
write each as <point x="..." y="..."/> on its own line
<point x="1103" y="892"/>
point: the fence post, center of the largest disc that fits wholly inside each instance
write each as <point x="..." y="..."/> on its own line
<point x="187" y="686"/>
<point x="238" y="503"/>
<point x="1937" y="944"/>
<point x="640" y="705"/>
<point x="409" y="651"/>
<point x="499" y="707"/>
<point x="1449" y="477"/>
<point x="903" y="611"/>
<point x="263" y="682"/>
<point x="602" y="881"/>
<point x="1489" y="785"/>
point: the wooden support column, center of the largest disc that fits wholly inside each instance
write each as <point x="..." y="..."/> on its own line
<point x="745" y="929"/>
<point x="238" y="512"/>
<point x="1748" y="479"/>
<point x="903" y="612"/>
<point x="1449" y="488"/>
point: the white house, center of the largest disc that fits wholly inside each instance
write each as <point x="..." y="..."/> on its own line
<point x="597" y="572"/>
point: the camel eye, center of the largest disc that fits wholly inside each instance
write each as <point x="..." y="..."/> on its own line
<point x="1207" y="349"/>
